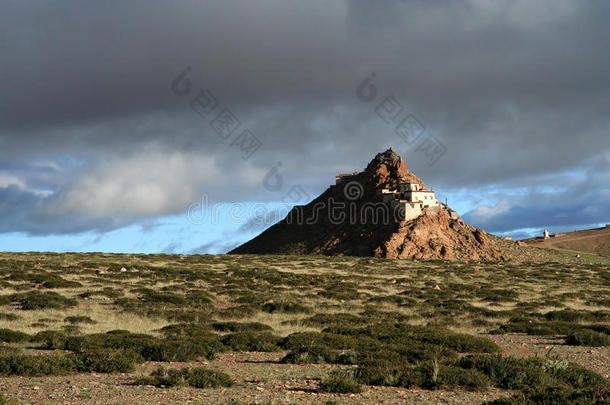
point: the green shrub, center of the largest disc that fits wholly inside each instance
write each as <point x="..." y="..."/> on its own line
<point x="200" y="377"/>
<point x="201" y="333"/>
<point x="308" y="339"/>
<point x="340" y="291"/>
<point x="251" y="341"/>
<point x="107" y="361"/>
<point x="79" y="319"/>
<point x="579" y="377"/>
<point x="340" y="319"/>
<point x="43" y="300"/>
<point x="148" y="295"/>
<point x="435" y="375"/>
<point x="105" y="292"/>
<point x="508" y="372"/>
<point x="540" y="330"/>
<point x="571" y="315"/>
<point x="388" y="372"/>
<point x="285" y="307"/>
<point x="397" y="365"/>
<point x="186" y="330"/>
<point x="470" y="379"/>
<point x="46" y="280"/>
<point x="598" y="328"/>
<point x="555" y="395"/>
<point x="114" y="339"/>
<point x="407" y="335"/>
<point x="58" y="282"/>
<point x="149" y="347"/>
<point x="50" y="339"/>
<point x="187" y="315"/>
<point x="412" y="353"/>
<point x="532" y="327"/>
<point x="27" y="365"/>
<point x="10" y="351"/>
<point x="498" y="295"/>
<point x="197" y="377"/>
<point x="241" y="327"/>
<point x="514" y="400"/>
<point x="587" y="337"/>
<point x="71" y="329"/>
<point x="310" y="355"/>
<point x="13" y="336"/>
<point x="239" y="312"/>
<point x="340" y="382"/>
<point x="176" y="350"/>
<point x="460" y="342"/>
<point x="346" y="357"/>
<point x="8" y="317"/>
<point x="198" y="297"/>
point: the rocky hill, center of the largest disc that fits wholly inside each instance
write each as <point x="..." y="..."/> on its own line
<point x="350" y="218"/>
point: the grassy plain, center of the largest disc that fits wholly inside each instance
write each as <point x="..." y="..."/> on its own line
<point x="109" y="328"/>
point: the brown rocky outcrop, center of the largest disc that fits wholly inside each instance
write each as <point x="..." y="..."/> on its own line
<point x="317" y="228"/>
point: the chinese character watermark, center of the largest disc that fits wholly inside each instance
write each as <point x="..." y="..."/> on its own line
<point x="407" y="127"/>
<point x="225" y="123"/>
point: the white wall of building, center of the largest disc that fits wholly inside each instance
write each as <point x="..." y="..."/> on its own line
<point x="405" y="211"/>
<point x="426" y="197"/>
<point x="409" y="201"/>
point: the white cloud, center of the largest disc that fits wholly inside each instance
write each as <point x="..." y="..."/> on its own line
<point x="47" y="164"/>
<point x="147" y="183"/>
<point x="7" y="180"/>
<point x="486" y="212"/>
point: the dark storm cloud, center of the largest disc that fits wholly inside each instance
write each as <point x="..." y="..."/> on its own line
<point x="513" y="89"/>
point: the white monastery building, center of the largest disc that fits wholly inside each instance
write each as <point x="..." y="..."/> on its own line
<point x="409" y="200"/>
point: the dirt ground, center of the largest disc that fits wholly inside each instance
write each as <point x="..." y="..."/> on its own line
<point x="521" y="345"/>
<point x="259" y="379"/>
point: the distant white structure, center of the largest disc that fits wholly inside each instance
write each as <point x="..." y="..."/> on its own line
<point x="408" y="200"/>
<point x="546" y="233"/>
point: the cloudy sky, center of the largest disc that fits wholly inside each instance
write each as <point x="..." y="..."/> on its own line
<point x="160" y="126"/>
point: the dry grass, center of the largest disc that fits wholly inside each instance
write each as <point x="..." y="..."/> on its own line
<point x="105" y="316"/>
